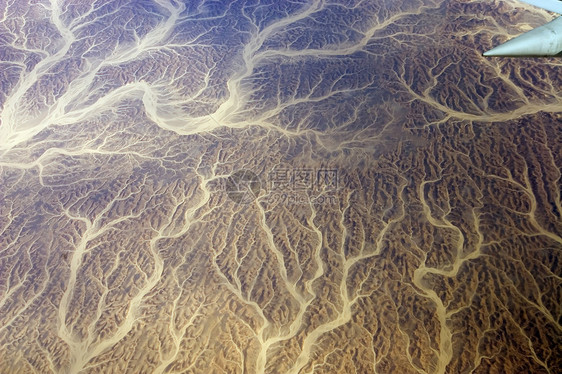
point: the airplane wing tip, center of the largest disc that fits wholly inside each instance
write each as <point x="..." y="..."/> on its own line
<point x="554" y="6"/>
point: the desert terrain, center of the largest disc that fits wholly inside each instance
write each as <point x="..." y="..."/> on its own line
<point x="263" y="186"/>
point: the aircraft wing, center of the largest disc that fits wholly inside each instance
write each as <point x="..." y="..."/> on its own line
<point x="554" y="6"/>
<point x="545" y="40"/>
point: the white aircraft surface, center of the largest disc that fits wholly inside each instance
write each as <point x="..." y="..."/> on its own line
<point x="545" y="40"/>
